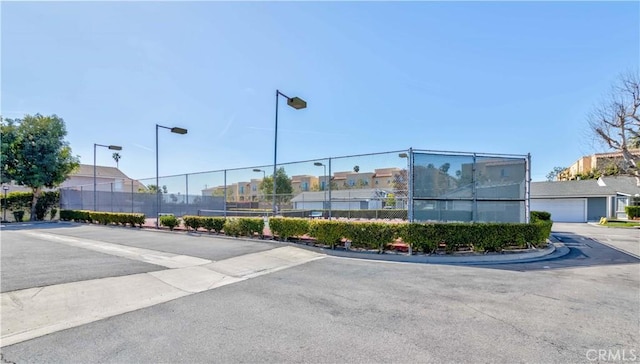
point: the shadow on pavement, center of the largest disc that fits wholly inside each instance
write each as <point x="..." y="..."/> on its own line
<point x="583" y="252"/>
<point x="36" y="225"/>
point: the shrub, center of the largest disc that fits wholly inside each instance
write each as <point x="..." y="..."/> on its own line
<point x="419" y="236"/>
<point x="193" y="222"/>
<point x="18" y="215"/>
<point x="328" y="232"/>
<point x="540" y="215"/>
<point x="46" y="201"/>
<point x="214" y="223"/>
<point x="52" y="213"/>
<point x="287" y="227"/>
<point x="169" y="221"/>
<point x="370" y="235"/>
<point x="232" y="227"/>
<point x="249" y="226"/>
<point x="632" y="211"/>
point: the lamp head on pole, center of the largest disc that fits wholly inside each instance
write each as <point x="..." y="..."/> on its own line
<point x="178" y="130"/>
<point x="296" y="103"/>
<point x="403" y="155"/>
<point x="115" y="147"/>
<point x="318" y="164"/>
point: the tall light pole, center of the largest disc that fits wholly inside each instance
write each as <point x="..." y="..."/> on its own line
<point x="176" y="130"/>
<point x="5" y="188"/>
<point x="111" y="147"/>
<point x="324" y="188"/>
<point x="296" y="103"/>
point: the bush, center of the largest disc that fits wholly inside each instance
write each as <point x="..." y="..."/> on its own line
<point x="169" y="221"/>
<point x="328" y="232"/>
<point x="232" y="227"/>
<point x="370" y="235"/>
<point x="18" y="215"/>
<point x="52" y="213"/>
<point x="193" y="222"/>
<point x="249" y="226"/>
<point x="214" y="223"/>
<point x="286" y="227"/>
<point x="23" y="200"/>
<point x="45" y="202"/>
<point x="540" y="216"/>
<point x="632" y="211"/>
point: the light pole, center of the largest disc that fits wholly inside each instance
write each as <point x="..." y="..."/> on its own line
<point x="176" y="130"/>
<point x="296" y="103"/>
<point x="5" y="188"/>
<point x="95" y="194"/>
<point x="324" y="188"/>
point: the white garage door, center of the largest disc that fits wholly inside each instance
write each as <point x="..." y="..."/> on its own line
<point x="562" y="210"/>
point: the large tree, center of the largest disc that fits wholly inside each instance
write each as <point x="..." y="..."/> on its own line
<point x="616" y="122"/>
<point x="35" y="153"/>
<point x="283" y="186"/>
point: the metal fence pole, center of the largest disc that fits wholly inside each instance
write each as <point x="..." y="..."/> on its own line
<point x="132" y="196"/>
<point x="329" y="182"/>
<point x="111" y="196"/>
<point x="474" y="190"/>
<point x="527" y="190"/>
<point x="410" y="186"/>
<point x="187" y="189"/>
<point x="224" y="203"/>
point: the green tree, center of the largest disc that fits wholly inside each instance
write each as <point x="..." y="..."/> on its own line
<point x="283" y="186"/>
<point x="554" y="173"/>
<point x="390" y="200"/>
<point x="35" y="153"/>
<point x="356" y="168"/>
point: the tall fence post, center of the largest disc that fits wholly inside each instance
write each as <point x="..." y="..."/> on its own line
<point x="410" y="186"/>
<point x="224" y="202"/>
<point x="527" y="190"/>
<point x="474" y="191"/>
<point x="187" y="189"/>
<point x="132" y="196"/>
<point x="329" y="182"/>
<point x="111" y="196"/>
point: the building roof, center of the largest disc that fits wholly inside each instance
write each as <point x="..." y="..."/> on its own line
<point x="343" y="195"/>
<point x="604" y="186"/>
<point x="86" y="170"/>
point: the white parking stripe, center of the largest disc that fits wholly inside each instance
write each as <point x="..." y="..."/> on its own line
<point x="164" y="259"/>
<point x="33" y="312"/>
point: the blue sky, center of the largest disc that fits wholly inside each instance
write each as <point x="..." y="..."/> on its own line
<point x="499" y="77"/>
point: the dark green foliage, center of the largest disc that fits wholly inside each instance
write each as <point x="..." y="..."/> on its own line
<point x="371" y="235"/>
<point x="23" y="200"/>
<point x="45" y="202"/>
<point x="540" y="215"/>
<point x="35" y="154"/>
<point x="193" y="222"/>
<point x="52" y="213"/>
<point x="328" y="232"/>
<point x="18" y="215"/>
<point x="249" y="226"/>
<point x="215" y="223"/>
<point x="286" y="227"/>
<point x="105" y="218"/>
<point x="632" y="211"/>
<point x="169" y="221"/>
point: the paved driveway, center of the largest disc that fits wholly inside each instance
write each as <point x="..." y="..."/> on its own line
<point x="285" y="307"/>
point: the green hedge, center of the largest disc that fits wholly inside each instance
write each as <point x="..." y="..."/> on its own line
<point x="371" y="235"/>
<point x="632" y="211"/>
<point x="540" y="216"/>
<point x="169" y="221"/>
<point x="328" y="231"/>
<point x="104" y="218"/>
<point x="286" y="227"/>
<point x="19" y="201"/>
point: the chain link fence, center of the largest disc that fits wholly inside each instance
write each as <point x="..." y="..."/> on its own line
<point x="397" y="185"/>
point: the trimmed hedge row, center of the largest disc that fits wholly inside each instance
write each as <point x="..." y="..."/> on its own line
<point x="426" y="237"/>
<point x="104" y="218"/>
<point x="233" y="226"/>
<point x="632" y="211"/>
<point x="19" y="201"/>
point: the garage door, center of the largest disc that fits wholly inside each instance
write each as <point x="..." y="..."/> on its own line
<point x="562" y="210"/>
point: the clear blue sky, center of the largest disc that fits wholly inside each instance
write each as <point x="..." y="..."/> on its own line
<point x="501" y="77"/>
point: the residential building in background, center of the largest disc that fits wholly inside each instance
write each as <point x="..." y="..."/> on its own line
<point x="605" y="163"/>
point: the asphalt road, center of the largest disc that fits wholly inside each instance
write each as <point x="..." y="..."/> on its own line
<point x="347" y="310"/>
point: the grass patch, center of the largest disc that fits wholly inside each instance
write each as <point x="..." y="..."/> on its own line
<point x="622" y="224"/>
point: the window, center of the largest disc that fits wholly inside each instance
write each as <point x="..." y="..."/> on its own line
<point x="305" y="186"/>
<point x="241" y="189"/>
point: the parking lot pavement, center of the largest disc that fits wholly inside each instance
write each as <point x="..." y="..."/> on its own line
<point x="350" y="310"/>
